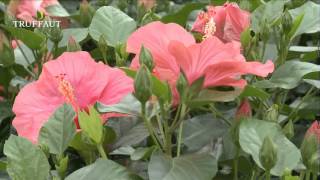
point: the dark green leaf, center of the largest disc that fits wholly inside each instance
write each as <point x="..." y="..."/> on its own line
<point x="142" y="153"/>
<point x="102" y="169"/>
<point x="181" y="16"/>
<point x="5" y="110"/>
<point x="251" y="91"/>
<point x="188" y="167"/>
<point x="31" y="39"/>
<point x="200" y="130"/>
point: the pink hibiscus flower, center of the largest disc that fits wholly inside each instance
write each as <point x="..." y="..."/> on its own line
<point x="226" y="22"/>
<point x="73" y="78"/>
<point x="173" y="48"/>
<point x="27" y="9"/>
<point x="314" y="130"/>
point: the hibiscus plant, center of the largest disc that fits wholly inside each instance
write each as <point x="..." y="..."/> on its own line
<point x="159" y="89"/>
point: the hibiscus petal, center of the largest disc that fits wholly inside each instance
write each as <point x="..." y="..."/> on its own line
<point x="32" y="110"/>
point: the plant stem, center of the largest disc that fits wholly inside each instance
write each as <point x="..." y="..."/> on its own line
<point x="179" y="139"/>
<point x="148" y="125"/>
<point x="235" y="165"/>
<point x="293" y="112"/>
<point x="101" y="151"/>
<point x="308" y="175"/>
<point x="268" y="175"/>
<point x="302" y="174"/>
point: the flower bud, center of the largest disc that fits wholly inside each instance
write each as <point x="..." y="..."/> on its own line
<point x="86" y="13"/>
<point x="268" y="154"/>
<point x="146" y="58"/>
<point x="244" y="110"/>
<point x="310" y="145"/>
<point x="73" y="46"/>
<point x="142" y="84"/>
<point x="286" y="21"/>
<point x="272" y="113"/>
<point x="315" y="162"/>
<point x="62" y="165"/>
<point x="55" y="34"/>
<point x="288" y="130"/>
<point x="182" y="86"/>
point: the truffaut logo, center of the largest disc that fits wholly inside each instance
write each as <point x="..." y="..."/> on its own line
<point x="36" y="24"/>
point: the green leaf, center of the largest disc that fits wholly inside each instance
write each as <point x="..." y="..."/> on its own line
<point x="142" y="153"/>
<point x="188" y="167"/>
<point x="310" y="22"/>
<point x="251" y="91"/>
<point x="20" y="58"/>
<point x="5" y="110"/>
<point x="207" y="96"/>
<point x="159" y="88"/>
<point x="122" y="107"/>
<point x="133" y="136"/>
<point x="266" y="13"/>
<point x="25" y="160"/>
<point x="59" y="130"/>
<point x="200" y="130"/>
<point x="181" y="16"/>
<point x="295" y="26"/>
<point x="251" y="135"/>
<point x="288" y="75"/>
<point x="113" y="24"/>
<point x="91" y="124"/>
<point x="126" y="150"/>
<point x="304" y="49"/>
<point x="3" y="165"/>
<point x="315" y="83"/>
<point x="102" y="169"/>
<point x="31" y="39"/>
<point x="86" y="150"/>
<point x="78" y="34"/>
<point x="57" y="10"/>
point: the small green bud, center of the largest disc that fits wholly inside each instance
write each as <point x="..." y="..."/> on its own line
<point x="182" y="86"/>
<point x="315" y="162"/>
<point x="86" y="12"/>
<point x="245" y="38"/>
<point x="40" y="15"/>
<point x="45" y="149"/>
<point x="62" y="166"/>
<point x="308" y="148"/>
<point x="73" y="46"/>
<point x="146" y="58"/>
<point x="268" y="154"/>
<point x="143" y="84"/>
<point x="272" y="113"/>
<point x="288" y="130"/>
<point x="150" y="16"/>
<point x="55" y="34"/>
<point x="286" y="21"/>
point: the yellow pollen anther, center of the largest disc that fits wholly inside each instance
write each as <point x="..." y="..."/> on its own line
<point x="209" y="29"/>
<point x="66" y="89"/>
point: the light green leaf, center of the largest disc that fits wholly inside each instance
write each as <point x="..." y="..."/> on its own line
<point x="188" y="167"/>
<point x="266" y="13"/>
<point x="200" y="130"/>
<point x="102" y="170"/>
<point x="123" y="106"/>
<point x="31" y="39"/>
<point x="20" y="58"/>
<point x="181" y="16"/>
<point x="25" y="160"/>
<point x="315" y="83"/>
<point x="142" y="153"/>
<point x="78" y="34"/>
<point x="304" y="49"/>
<point x="288" y="75"/>
<point x="57" y="10"/>
<point x="126" y="150"/>
<point x="91" y="124"/>
<point x="251" y="135"/>
<point x="310" y="22"/>
<point x="59" y="130"/>
<point x="113" y="24"/>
